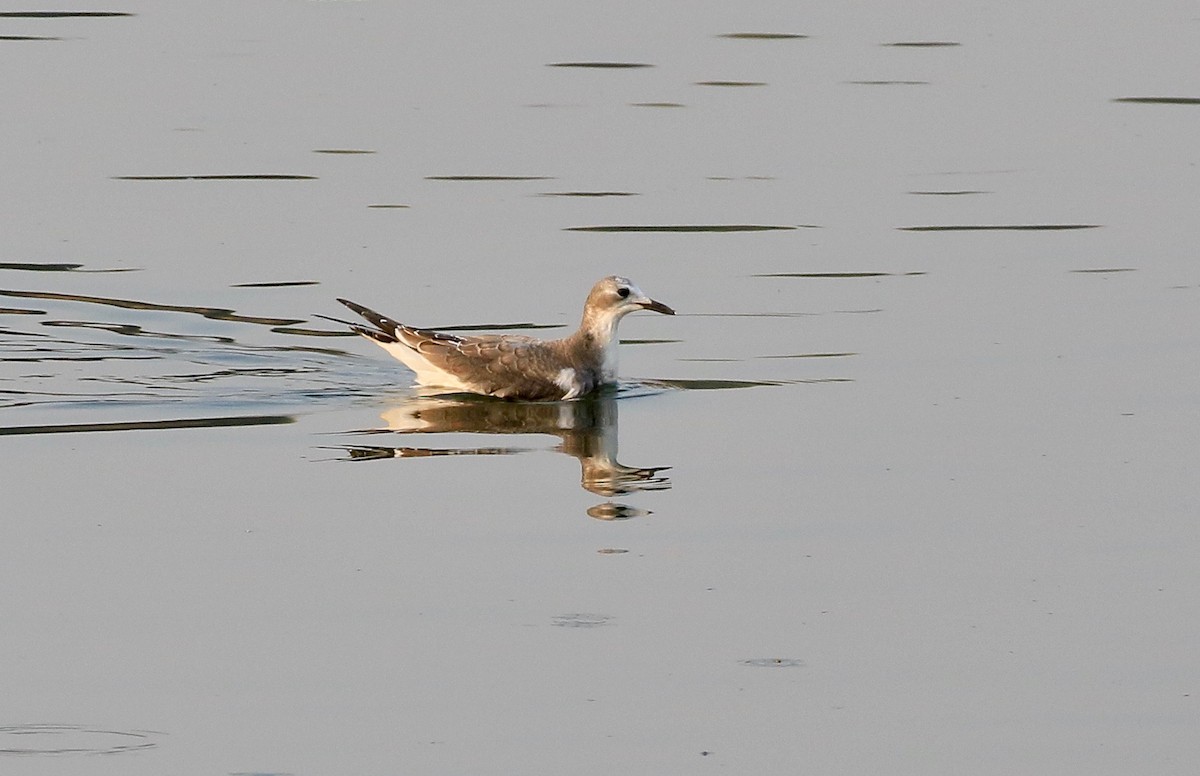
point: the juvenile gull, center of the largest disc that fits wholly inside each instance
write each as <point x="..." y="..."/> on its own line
<point x="512" y="366"/>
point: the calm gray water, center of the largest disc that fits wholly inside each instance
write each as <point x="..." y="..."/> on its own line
<point x="907" y="486"/>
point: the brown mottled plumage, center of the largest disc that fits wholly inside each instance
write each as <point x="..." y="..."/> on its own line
<point x="512" y="366"/>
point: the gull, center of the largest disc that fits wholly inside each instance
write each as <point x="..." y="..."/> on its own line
<point x="512" y="366"/>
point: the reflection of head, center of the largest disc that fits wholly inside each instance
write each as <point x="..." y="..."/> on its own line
<point x="610" y="510"/>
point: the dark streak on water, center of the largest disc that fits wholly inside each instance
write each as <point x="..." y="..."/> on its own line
<point x="133" y="330"/>
<point x="711" y="385"/>
<point x="762" y="36"/>
<point x="248" y="177"/>
<point x="27" y="37"/>
<point x="488" y="178"/>
<point x="295" y="330"/>
<point x="38" y="266"/>
<point x="391" y="207"/>
<point x="602" y="65"/>
<point x="837" y="274"/>
<point x="957" y="193"/>
<point x="999" y="227"/>
<point x="1103" y="271"/>
<point x="889" y="83"/>
<point x="680" y="228"/>
<point x="1160" y="100"/>
<point x="59" y="14"/>
<point x="215" y="313"/>
<point x="341" y="151"/>
<point x="56" y="267"/>
<point x="657" y="105"/>
<point x="149" y="425"/>
<point x="278" y="284"/>
<point x="731" y="83"/>
<point x="20" y="311"/>
<point x="811" y="355"/>
<point x="922" y="44"/>
<point x="43" y="359"/>
<point x="777" y="315"/>
<point x="588" y="194"/>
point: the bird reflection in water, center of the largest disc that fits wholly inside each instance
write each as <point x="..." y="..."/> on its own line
<point x="586" y="428"/>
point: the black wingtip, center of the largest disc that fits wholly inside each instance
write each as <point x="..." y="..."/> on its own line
<point x="375" y="334"/>
<point x="358" y="308"/>
<point x="385" y="327"/>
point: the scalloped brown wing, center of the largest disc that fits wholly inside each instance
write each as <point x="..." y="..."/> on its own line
<point x="512" y="366"/>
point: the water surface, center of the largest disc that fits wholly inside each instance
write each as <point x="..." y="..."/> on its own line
<point x="911" y="492"/>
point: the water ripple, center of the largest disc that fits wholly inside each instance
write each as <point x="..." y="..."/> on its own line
<point x="51" y="740"/>
<point x="681" y="228"/>
<point x="998" y="227"/>
<point x="237" y="177"/>
<point x="762" y="36"/>
<point x="602" y="65"/>
<point x="148" y="425"/>
<point x="215" y="313"/>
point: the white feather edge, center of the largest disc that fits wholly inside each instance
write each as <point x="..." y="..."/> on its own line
<point x="427" y="373"/>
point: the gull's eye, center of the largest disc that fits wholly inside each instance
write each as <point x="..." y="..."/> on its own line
<point x="623" y="292"/>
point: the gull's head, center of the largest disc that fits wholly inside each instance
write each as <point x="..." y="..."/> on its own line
<point x="614" y="297"/>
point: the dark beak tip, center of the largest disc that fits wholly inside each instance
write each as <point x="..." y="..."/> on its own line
<point x="659" y="307"/>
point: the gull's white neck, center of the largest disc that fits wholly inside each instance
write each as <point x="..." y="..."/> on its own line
<point x="598" y="334"/>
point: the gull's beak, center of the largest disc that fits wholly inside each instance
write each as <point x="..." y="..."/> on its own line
<point x="656" y="306"/>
